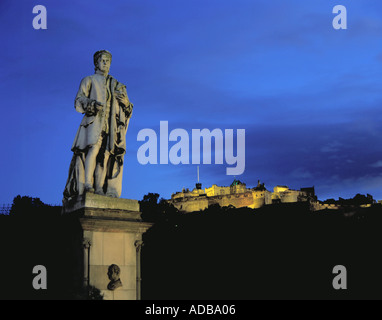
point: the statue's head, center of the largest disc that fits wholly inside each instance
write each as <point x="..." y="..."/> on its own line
<point x="102" y="60"/>
<point x="113" y="272"/>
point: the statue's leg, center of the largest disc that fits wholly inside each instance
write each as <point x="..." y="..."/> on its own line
<point x="100" y="174"/>
<point x="80" y="173"/>
<point x="114" y="184"/>
<point x="90" y="165"/>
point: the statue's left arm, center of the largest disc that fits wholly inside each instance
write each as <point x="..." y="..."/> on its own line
<point x="123" y="99"/>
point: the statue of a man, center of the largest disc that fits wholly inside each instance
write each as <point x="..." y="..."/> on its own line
<point x="99" y="145"/>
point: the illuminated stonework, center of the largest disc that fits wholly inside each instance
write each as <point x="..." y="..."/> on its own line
<point x="238" y="196"/>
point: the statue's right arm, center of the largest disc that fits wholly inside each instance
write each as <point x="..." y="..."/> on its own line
<point x="82" y="100"/>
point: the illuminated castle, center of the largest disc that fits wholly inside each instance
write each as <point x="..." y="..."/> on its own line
<point x="238" y="195"/>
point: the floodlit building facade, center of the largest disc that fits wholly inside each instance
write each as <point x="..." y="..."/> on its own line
<point x="238" y="196"/>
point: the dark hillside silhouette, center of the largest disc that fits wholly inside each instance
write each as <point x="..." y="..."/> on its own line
<point x="280" y="251"/>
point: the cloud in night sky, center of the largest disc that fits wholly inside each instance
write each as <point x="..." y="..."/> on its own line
<point x="308" y="96"/>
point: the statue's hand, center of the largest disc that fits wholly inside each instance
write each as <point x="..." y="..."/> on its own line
<point x="93" y="107"/>
<point x="98" y="105"/>
<point x="121" y="98"/>
<point x="129" y="109"/>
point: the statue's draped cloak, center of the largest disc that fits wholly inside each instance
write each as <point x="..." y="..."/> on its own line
<point x="113" y="118"/>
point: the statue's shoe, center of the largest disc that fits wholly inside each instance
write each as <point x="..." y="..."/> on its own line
<point x="110" y="194"/>
<point x="89" y="188"/>
<point x="99" y="191"/>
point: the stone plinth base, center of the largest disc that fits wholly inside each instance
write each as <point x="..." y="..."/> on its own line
<point x="111" y="234"/>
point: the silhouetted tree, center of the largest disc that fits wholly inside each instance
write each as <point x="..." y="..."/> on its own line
<point x="28" y="207"/>
<point x="167" y="209"/>
<point x="149" y="206"/>
<point x="155" y="211"/>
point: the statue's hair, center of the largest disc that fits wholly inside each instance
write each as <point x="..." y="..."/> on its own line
<point x="98" y="54"/>
<point x="115" y="269"/>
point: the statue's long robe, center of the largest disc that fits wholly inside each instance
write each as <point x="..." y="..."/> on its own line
<point x="114" y="120"/>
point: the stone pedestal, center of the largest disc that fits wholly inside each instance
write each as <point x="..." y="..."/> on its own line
<point x="110" y="230"/>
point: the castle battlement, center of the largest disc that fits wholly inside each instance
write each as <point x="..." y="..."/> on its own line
<point x="238" y="196"/>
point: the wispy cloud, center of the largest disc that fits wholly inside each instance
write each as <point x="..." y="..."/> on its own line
<point x="377" y="164"/>
<point x="331" y="147"/>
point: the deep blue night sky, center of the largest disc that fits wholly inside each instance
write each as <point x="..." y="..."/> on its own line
<point x="308" y="96"/>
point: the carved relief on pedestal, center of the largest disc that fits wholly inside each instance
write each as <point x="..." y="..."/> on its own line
<point x="113" y="273"/>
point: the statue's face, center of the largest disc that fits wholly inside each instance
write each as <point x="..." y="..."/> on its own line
<point x="104" y="63"/>
<point x="112" y="275"/>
